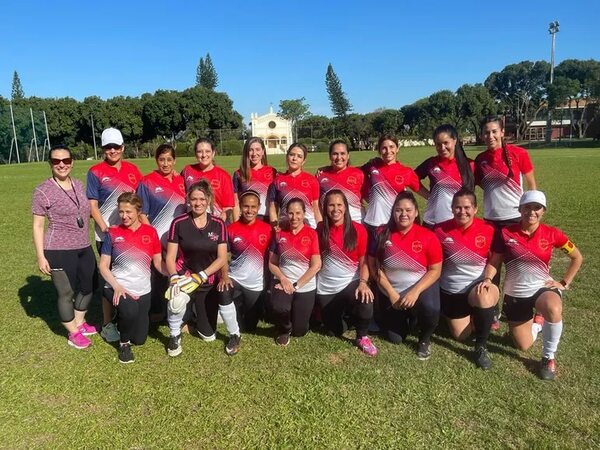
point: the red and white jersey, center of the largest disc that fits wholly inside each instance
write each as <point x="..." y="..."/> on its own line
<point x="303" y="185"/>
<point x="105" y="183"/>
<point x="340" y="266"/>
<point x="248" y="245"/>
<point x="444" y="182"/>
<point x="465" y="253"/>
<point x="527" y="258"/>
<point x="350" y="181"/>
<point x="382" y="183"/>
<point x="501" y="194"/>
<point x="260" y="180"/>
<point x="295" y="252"/>
<point x="131" y="256"/>
<point x="219" y="180"/>
<point x="162" y="201"/>
<point x="407" y="256"/>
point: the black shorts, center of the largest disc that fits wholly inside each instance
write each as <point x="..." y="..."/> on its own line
<point x="520" y="309"/>
<point x="456" y="306"/>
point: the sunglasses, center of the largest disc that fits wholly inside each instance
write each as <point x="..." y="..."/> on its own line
<point x="57" y="161"/>
<point x="111" y="147"/>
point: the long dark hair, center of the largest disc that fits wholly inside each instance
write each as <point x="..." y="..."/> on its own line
<point x="245" y="169"/>
<point x="500" y="121"/>
<point x="349" y="231"/>
<point x="390" y="227"/>
<point x="466" y="174"/>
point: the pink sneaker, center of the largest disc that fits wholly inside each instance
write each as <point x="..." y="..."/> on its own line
<point x="78" y="340"/>
<point x="539" y="319"/>
<point x="365" y="344"/>
<point x="86" y="329"/>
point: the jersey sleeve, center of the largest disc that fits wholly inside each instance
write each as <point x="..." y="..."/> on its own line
<point x="156" y="247"/>
<point x="174" y="232"/>
<point x="92" y="190"/>
<point x="227" y="187"/>
<point x="434" y="251"/>
<point x="142" y="192"/>
<point x="315" y="188"/>
<point x="561" y="240"/>
<point x="222" y="233"/>
<point x="525" y="163"/>
<point x="413" y="181"/>
<point x="477" y="171"/>
<point x="106" y="248"/>
<point x="39" y="203"/>
<point x="361" y="240"/>
<point x="314" y="250"/>
<point x="237" y="182"/>
<point x="272" y="193"/>
<point x="422" y="169"/>
<point x="498" y="242"/>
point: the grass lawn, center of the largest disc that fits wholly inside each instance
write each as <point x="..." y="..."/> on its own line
<point x="319" y="392"/>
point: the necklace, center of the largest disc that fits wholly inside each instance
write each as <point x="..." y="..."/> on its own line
<point x="75" y="202"/>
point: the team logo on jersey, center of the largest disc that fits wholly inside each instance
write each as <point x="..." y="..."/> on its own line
<point x="388" y="243"/>
<point x="212" y="236"/>
<point x="543" y="244"/>
<point x="282" y="184"/>
<point x="262" y="239"/>
<point x="216" y="184"/>
<point x="304" y="184"/>
<point x="484" y="163"/>
<point x="511" y="241"/>
<point x="374" y="172"/>
<point x="399" y="179"/>
<point x="324" y="180"/>
<point x="119" y="239"/>
<point x="268" y="176"/>
<point x="436" y="169"/>
<point x="417" y="246"/>
<point x="237" y="239"/>
<point x="305" y="241"/>
<point x="158" y="189"/>
<point x="351" y="180"/>
<point x="282" y="240"/>
<point x="132" y="179"/>
<point x="105" y="179"/>
<point x="448" y="240"/>
<point x="189" y="178"/>
<point x="145" y="239"/>
<point x="480" y="241"/>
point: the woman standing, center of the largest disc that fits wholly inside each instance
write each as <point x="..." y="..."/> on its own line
<point x="219" y="179"/>
<point x="255" y="174"/>
<point x="408" y="260"/>
<point x="343" y="281"/>
<point x="466" y="241"/>
<point x="526" y="249"/>
<point x="163" y="198"/>
<point x="339" y="175"/>
<point x="294" y="261"/>
<point x="448" y="172"/>
<point x="64" y="251"/>
<point x="198" y="246"/>
<point x="128" y="252"/>
<point x="243" y="279"/>
<point x="294" y="183"/>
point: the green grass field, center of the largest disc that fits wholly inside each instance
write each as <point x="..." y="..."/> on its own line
<point x="319" y="392"/>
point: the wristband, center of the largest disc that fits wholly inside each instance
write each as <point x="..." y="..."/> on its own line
<point x="363" y="281"/>
<point x="203" y="276"/>
<point x="564" y="283"/>
<point x="295" y="285"/>
<point x="487" y="278"/>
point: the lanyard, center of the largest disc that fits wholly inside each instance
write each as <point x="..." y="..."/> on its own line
<point x="76" y="201"/>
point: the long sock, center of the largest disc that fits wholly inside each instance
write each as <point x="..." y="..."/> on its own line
<point x="535" y="329"/>
<point x="230" y="318"/>
<point x="551" y="333"/>
<point x="175" y="322"/>
<point x="482" y="320"/>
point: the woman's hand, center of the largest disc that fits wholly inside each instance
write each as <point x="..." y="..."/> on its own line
<point x="555" y="284"/>
<point x="224" y="284"/>
<point x="363" y="293"/>
<point x="286" y="286"/>
<point x="484" y="285"/>
<point x="409" y="300"/>
<point x="44" y="266"/>
<point x="119" y="292"/>
<point x="395" y="301"/>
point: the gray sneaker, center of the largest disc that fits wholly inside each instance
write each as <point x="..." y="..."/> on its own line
<point x="482" y="358"/>
<point x="423" y="350"/>
<point x="125" y="354"/>
<point x="233" y="346"/>
<point x="110" y="333"/>
<point x="174" y="346"/>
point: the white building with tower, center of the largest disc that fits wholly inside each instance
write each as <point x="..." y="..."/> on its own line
<point x="275" y="131"/>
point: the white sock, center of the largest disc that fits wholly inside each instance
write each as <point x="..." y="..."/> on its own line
<point x="175" y="322"/>
<point x="230" y="318"/>
<point x="535" y="329"/>
<point x="551" y="333"/>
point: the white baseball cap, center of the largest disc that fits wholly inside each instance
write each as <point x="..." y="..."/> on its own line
<point x="533" y="197"/>
<point x="112" y="136"/>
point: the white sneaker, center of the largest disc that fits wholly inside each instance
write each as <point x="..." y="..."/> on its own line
<point x="110" y="333"/>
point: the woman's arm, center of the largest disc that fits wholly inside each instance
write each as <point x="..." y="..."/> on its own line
<point x="530" y="180"/>
<point x="284" y="283"/>
<point x="104" y="267"/>
<point x="491" y="268"/>
<point x="317" y="211"/>
<point x="576" y="260"/>
<point x="412" y="295"/>
<point x="236" y="209"/>
<point x="313" y="268"/>
<point x="423" y="191"/>
<point x="38" y="242"/>
<point x="159" y="264"/>
<point x="363" y="291"/>
<point x="218" y="263"/>
<point x="273" y="218"/>
<point x="384" y="285"/>
<point x="97" y="216"/>
<point x="171" y="258"/>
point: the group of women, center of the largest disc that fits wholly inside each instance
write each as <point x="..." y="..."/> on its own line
<point x="346" y="246"/>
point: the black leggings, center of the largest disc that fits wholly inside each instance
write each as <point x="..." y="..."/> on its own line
<point x="75" y="282"/>
<point x="426" y="310"/>
<point x="334" y="306"/>
<point x="160" y="284"/>
<point x="291" y="313"/>
<point x="205" y="304"/>
<point x="248" y="305"/>
<point x="133" y="317"/>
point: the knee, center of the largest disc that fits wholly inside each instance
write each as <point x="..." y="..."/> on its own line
<point x="553" y="312"/>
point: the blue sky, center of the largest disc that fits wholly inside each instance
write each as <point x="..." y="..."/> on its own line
<point x="386" y="53"/>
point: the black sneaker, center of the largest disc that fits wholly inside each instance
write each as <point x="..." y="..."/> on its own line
<point x="283" y="339"/>
<point x="548" y="369"/>
<point x="423" y="350"/>
<point x="482" y="358"/>
<point x="174" y="346"/>
<point x="233" y="345"/>
<point x="125" y="354"/>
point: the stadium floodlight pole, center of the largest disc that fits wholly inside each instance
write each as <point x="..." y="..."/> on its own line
<point x="94" y="137"/>
<point x="47" y="137"/>
<point x="552" y="29"/>
<point x="37" y="155"/>
<point x="14" y="139"/>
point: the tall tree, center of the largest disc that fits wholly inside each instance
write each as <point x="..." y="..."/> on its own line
<point x="206" y="75"/>
<point x="17" y="88"/>
<point x="474" y="102"/>
<point x="340" y="105"/>
<point x="294" y="110"/>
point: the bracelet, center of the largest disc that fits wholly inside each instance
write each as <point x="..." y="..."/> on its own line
<point x="363" y="281"/>
<point x="173" y="276"/>
<point x="487" y="278"/>
<point x="202" y="274"/>
<point x="295" y="285"/>
<point x="564" y="283"/>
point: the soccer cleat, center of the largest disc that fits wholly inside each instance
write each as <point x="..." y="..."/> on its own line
<point x="548" y="369"/>
<point x="539" y="319"/>
<point x="482" y="358"/>
<point x="233" y="345"/>
<point x="174" y="346"/>
<point x="86" y="329"/>
<point x="496" y="323"/>
<point x="110" y="333"/>
<point x="125" y="354"/>
<point x="365" y="344"/>
<point x="78" y="340"/>
<point x="423" y="350"/>
<point x="283" y="339"/>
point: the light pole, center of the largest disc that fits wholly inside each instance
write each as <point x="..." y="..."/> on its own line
<point x="552" y="29"/>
